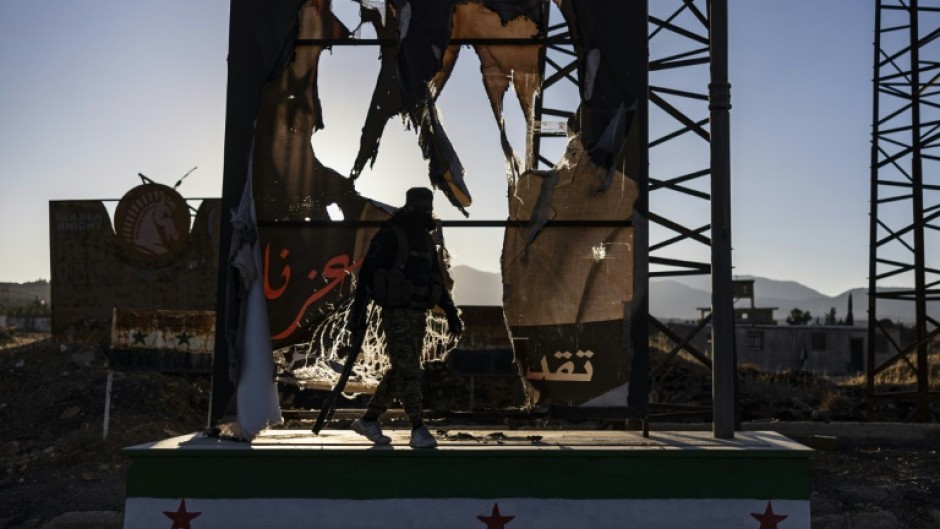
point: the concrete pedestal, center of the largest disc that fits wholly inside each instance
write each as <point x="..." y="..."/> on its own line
<point x="475" y="479"/>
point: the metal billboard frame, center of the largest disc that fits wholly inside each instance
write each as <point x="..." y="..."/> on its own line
<point x="709" y="49"/>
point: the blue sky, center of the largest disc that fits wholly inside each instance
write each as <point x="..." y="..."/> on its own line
<point x="94" y="92"/>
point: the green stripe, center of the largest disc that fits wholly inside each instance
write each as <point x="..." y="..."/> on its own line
<point x="383" y="474"/>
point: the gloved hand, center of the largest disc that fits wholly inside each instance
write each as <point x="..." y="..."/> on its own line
<point x="454" y="325"/>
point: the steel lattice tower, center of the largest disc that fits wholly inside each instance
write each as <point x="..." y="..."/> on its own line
<point x="905" y="203"/>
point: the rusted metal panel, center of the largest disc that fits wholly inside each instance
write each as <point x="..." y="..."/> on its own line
<point x="162" y="340"/>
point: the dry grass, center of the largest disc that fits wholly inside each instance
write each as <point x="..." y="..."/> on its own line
<point x="901" y="374"/>
<point x="834" y="400"/>
<point x="793" y="395"/>
<point x="10" y="339"/>
<point x="778" y="384"/>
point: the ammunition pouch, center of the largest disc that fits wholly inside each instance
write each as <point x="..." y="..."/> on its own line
<point x="391" y="288"/>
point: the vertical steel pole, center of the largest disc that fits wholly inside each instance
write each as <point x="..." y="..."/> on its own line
<point x="637" y="331"/>
<point x="723" y="368"/>
<point x="244" y="73"/>
<point x="222" y="388"/>
<point x="107" y="406"/>
<point x="533" y="137"/>
<point x="917" y="191"/>
<point x="873" y="220"/>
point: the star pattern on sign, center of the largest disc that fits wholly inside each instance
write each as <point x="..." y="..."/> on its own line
<point x="181" y="517"/>
<point x="495" y="520"/>
<point x="183" y="338"/>
<point x="139" y="337"/>
<point x="768" y="520"/>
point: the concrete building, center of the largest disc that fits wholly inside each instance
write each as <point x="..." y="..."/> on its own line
<point x="759" y="340"/>
<point x="821" y="349"/>
<point x="743" y="289"/>
<point x="30" y="323"/>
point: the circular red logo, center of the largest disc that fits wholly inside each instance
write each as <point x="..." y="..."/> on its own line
<point x="152" y="223"/>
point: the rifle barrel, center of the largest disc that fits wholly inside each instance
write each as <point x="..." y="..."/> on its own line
<point x="327" y="411"/>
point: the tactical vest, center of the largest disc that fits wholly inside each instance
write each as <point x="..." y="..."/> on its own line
<point x="411" y="282"/>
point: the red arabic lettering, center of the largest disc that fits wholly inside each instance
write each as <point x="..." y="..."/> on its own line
<point x="271" y="293"/>
<point x="336" y="270"/>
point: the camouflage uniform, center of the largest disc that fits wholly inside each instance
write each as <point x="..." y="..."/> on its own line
<point x="404" y="338"/>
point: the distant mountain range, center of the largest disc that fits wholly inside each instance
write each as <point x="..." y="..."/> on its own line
<point x="679" y="298"/>
<point x="475" y="287"/>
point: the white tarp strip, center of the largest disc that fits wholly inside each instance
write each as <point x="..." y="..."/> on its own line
<point x="257" y="400"/>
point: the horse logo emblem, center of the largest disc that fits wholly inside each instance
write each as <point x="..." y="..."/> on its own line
<point x="152" y="222"/>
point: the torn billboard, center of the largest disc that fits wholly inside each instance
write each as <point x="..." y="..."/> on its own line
<point x="567" y="289"/>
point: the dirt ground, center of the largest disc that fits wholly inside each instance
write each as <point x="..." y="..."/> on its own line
<point x="52" y="456"/>
<point x="53" y="459"/>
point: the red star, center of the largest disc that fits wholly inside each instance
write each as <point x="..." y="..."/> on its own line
<point x="768" y="520"/>
<point x="181" y="518"/>
<point x="495" y="520"/>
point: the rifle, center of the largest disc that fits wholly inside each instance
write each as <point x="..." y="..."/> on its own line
<point x="355" y="347"/>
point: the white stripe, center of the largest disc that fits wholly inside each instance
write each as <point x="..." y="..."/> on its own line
<point x="147" y="513"/>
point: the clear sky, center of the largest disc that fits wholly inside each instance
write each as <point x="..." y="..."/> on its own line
<point x="94" y="92"/>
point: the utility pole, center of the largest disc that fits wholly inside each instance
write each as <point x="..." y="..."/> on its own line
<point x="723" y="354"/>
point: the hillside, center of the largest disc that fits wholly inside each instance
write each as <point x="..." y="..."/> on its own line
<point x="679" y="298"/>
<point x="19" y="294"/>
<point x="475" y="287"/>
<point x="668" y="300"/>
<point x="765" y="288"/>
